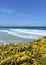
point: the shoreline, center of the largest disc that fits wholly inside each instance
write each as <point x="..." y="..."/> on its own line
<point x="15" y="42"/>
<point x="22" y="42"/>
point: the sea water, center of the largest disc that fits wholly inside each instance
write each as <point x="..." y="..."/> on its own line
<point x="21" y="34"/>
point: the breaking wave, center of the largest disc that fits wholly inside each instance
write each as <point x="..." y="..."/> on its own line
<point x="26" y="33"/>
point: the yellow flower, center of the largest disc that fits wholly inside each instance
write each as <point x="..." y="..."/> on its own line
<point x="17" y="55"/>
<point x="44" y="55"/>
<point x="24" y="57"/>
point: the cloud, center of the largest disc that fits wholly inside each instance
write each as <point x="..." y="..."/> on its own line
<point x="6" y="11"/>
<point x="12" y="12"/>
<point x="21" y="14"/>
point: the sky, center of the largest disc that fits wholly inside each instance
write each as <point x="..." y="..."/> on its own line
<point x="22" y="12"/>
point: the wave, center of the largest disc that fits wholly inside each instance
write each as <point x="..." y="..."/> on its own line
<point x="30" y="31"/>
<point x="26" y="33"/>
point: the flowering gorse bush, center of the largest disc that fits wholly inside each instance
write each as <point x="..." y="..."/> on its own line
<point x="32" y="53"/>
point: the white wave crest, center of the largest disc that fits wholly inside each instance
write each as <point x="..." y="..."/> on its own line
<point x="30" y="31"/>
<point x="26" y="33"/>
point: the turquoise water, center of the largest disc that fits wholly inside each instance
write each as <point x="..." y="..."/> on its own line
<point x="21" y="34"/>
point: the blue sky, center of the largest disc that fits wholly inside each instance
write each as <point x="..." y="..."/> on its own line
<point x="23" y="12"/>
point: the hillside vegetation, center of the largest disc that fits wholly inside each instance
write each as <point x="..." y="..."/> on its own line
<point x="32" y="53"/>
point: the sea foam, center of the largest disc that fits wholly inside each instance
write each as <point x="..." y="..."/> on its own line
<point x="25" y="33"/>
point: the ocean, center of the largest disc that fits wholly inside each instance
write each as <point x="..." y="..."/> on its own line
<point x="21" y="34"/>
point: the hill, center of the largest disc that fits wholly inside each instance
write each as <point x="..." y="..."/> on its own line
<point x="32" y="53"/>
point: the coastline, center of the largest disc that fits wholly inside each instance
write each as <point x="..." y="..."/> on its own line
<point x="31" y="53"/>
<point x="5" y="43"/>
